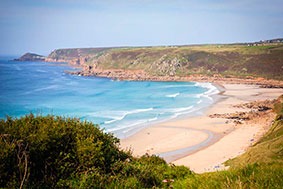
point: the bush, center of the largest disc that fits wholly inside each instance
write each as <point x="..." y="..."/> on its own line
<point x="43" y="150"/>
<point x="51" y="151"/>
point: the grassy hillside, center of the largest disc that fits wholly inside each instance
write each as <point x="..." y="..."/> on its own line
<point x="269" y="148"/>
<point x="260" y="167"/>
<point x="68" y="54"/>
<point x="227" y="60"/>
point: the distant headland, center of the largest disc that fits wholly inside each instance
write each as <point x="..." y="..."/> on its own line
<point x="257" y="63"/>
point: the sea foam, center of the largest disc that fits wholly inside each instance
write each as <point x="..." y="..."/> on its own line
<point x="173" y="95"/>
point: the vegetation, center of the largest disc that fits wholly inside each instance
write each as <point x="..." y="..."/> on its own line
<point x="31" y="57"/>
<point x="270" y="147"/>
<point x="251" y="176"/>
<point x="60" y="152"/>
<point x="260" y="167"/>
<point x="50" y="151"/>
<point x="226" y="60"/>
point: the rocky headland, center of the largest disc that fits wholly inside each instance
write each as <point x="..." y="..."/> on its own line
<point x="247" y="63"/>
<point x="31" y="57"/>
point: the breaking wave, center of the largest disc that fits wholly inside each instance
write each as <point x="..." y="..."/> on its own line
<point x="173" y="95"/>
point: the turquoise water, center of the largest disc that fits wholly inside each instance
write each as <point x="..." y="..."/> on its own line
<point x="117" y="106"/>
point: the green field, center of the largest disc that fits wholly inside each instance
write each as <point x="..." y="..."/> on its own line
<point x="223" y="59"/>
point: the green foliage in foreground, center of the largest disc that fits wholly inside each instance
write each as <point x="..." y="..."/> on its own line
<point x="62" y="152"/>
<point x="67" y="153"/>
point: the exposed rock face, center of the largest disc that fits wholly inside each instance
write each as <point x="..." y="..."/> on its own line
<point x="167" y="65"/>
<point x="254" y="110"/>
<point x="140" y="75"/>
<point x="31" y="57"/>
<point x="116" y="74"/>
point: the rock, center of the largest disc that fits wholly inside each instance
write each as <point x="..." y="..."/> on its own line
<point x="31" y="57"/>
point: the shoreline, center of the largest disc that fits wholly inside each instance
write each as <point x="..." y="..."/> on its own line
<point x="139" y="75"/>
<point x="196" y="111"/>
<point x="189" y="141"/>
<point x="211" y="136"/>
<point x="176" y="141"/>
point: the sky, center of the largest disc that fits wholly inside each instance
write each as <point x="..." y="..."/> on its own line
<point x="40" y="26"/>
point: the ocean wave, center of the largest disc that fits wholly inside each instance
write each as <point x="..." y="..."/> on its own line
<point x="115" y="119"/>
<point x="173" y="95"/>
<point x="42" y="89"/>
<point x="46" y="88"/>
<point x="188" y="110"/>
<point x="132" y="125"/>
<point x="153" y="119"/>
<point x="176" y="112"/>
<point x="42" y="71"/>
<point x="212" y="90"/>
<point x="179" y="109"/>
<point x="175" y="86"/>
<point x="71" y="83"/>
<point x="117" y="115"/>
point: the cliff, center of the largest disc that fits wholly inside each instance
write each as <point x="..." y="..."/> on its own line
<point x="246" y="60"/>
<point x="228" y="61"/>
<point x="76" y="56"/>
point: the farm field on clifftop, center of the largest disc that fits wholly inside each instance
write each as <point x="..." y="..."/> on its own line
<point x="223" y="59"/>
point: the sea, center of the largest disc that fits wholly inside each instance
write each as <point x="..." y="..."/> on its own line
<point x="119" y="107"/>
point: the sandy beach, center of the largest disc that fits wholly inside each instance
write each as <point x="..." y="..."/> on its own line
<point x="203" y="143"/>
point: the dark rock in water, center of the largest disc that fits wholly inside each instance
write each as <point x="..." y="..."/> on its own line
<point x="31" y="57"/>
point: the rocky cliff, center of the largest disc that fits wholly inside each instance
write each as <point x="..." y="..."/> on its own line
<point x="226" y="61"/>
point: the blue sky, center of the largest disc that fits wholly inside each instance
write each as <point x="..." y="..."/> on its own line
<point x="41" y="26"/>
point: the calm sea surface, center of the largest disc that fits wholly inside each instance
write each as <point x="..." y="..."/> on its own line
<point x="117" y="106"/>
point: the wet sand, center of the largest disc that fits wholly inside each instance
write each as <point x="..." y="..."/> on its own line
<point x="203" y="143"/>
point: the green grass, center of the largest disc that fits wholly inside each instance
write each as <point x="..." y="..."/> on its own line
<point x="268" y="149"/>
<point x="264" y="47"/>
<point x="224" y="59"/>
<point x="251" y="176"/>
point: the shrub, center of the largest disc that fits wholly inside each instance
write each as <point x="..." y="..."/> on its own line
<point x="40" y="151"/>
<point x="51" y="151"/>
